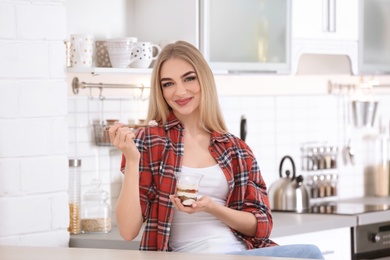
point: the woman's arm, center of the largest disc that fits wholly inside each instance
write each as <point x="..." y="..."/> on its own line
<point x="243" y="222"/>
<point x="128" y="209"/>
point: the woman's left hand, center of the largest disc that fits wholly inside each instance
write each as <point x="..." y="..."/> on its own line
<point x="204" y="203"/>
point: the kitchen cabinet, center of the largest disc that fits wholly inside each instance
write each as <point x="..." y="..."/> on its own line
<point x="325" y="27"/>
<point x="374" y="40"/>
<point x="246" y="35"/>
<point x="334" y="244"/>
<point x="325" y="19"/>
<point x="155" y="21"/>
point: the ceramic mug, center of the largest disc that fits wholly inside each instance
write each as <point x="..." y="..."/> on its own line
<point x="119" y="51"/>
<point x="102" y="57"/>
<point x="143" y="54"/>
<point x="82" y="50"/>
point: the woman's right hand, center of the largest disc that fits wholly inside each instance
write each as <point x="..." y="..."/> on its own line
<point x="122" y="138"/>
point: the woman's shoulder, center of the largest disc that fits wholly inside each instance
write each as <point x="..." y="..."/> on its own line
<point x="231" y="140"/>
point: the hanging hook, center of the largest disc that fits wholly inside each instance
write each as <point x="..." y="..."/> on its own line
<point x="101" y="97"/>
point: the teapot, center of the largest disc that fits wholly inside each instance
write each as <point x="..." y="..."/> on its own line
<point x="289" y="193"/>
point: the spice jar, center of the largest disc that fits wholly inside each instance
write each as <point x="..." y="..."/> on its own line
<point x="96" y="211"/>
<point x="74" y="196"/>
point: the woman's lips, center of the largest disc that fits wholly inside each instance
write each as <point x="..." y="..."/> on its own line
<point x="183" y="102"/>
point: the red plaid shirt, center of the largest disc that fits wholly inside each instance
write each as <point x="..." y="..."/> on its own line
<point x="162" y="152"/>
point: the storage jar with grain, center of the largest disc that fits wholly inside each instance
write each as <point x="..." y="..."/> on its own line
<point x="96" y="211"/>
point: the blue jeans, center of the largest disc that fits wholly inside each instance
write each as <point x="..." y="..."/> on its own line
<point x="293" y="251"/>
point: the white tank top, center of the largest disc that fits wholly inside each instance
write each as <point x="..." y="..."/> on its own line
<point x="202" y="232"/>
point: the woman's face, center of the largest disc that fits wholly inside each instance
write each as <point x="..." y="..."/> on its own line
<point x="180" y="87"/>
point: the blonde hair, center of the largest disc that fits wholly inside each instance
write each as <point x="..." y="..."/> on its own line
<point x="210" y="111"/>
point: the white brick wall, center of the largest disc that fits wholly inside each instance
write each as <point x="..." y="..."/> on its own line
<point x="33" y="124"/>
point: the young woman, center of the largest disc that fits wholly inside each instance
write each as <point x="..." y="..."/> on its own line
<point x="232" y="214"/>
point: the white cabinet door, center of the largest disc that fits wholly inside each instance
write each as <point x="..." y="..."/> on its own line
<point x="374" y="42"/>
<point x="335" y="244"/>
<point x="163" y="21"/>
<point x="241" y="35"/>
<point x="325" y="27"/>
<point x="325" y="19"/>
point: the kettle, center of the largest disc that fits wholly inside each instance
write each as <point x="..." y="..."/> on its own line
<point x="289" y="193"/>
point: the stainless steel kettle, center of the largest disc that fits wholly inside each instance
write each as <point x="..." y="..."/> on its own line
<point x="289" y="193"/>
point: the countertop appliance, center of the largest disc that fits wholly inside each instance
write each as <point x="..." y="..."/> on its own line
<point x="370" y="239"/>
<point x="289" y="193"/>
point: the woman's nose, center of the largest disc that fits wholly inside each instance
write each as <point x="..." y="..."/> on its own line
<point x="180" y="89"/>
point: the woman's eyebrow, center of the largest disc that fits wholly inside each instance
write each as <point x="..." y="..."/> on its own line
<point x="183" y="76"/>
<point x="187" y="73"/>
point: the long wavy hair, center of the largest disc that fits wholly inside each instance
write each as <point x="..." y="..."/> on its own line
<point x="210" y="112"/>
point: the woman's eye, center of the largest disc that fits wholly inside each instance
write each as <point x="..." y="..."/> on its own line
<point x="190" y="78"/>
<point x="167" y="84"/>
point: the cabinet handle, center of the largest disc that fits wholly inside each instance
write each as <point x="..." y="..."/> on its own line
<point x="332" y="15"/>
<point x="329" y="15"/>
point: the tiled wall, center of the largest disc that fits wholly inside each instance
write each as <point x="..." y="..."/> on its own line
<point x="277" y="126"/>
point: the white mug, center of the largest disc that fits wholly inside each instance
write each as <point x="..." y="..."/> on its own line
<point x="82" y="50"/>
<point x="143" y="54"/>
<point x="119" y="51"/>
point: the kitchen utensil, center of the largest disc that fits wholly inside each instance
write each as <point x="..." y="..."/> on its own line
<point x="102" y="56"/>
<point x="364" y="112"/>
<point x="119" y="51"/>
<point x="68" y="52"/>
<point x="82" y="50"/>
<point x="96" y="210"/>
<point x="289" y="193"/>
<point x="243" y="128"/>
<point x="348" y="150"/>
<point x="144" y="53"/>
<point x="74" y="196"/>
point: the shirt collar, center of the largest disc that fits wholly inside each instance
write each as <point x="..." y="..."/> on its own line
<point x="172" y="122"/>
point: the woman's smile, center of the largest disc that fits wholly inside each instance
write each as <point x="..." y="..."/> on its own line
<point x="183" y="101"/>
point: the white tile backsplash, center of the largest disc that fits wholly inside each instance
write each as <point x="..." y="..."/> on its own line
<point x="277" y="126"/>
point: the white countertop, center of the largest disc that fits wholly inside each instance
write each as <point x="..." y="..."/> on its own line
<point x="285" y="224"/>
<point x="65" y="253"/>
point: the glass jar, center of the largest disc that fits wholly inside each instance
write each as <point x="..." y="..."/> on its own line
<point x="74" y="196"/>
<point x="376" y="164"/>
<point x="96" y="211"/>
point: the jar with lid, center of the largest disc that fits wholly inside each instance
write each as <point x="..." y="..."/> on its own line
<point x="96" y="211"/>
<point x="74" y="193"/>
<point x="376" y="164"/>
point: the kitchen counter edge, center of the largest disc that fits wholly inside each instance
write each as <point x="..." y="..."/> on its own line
<point x="285" y="224"/>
